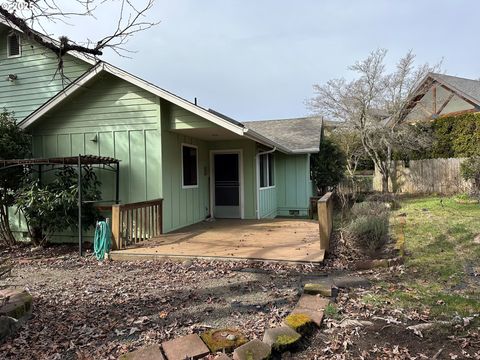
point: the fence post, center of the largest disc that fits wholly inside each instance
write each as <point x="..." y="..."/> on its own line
<point x="325" y="220"/>
<point x="116" y="228"/>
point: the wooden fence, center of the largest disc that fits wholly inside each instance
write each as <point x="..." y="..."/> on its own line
<point x="136" y="222"/>
<point x="325" y="220"/>
<point x="441" y="176"/>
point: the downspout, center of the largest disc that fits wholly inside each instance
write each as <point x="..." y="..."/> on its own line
<point x="257" y="160"/>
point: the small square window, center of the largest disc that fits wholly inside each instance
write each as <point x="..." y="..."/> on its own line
<point x="14" y="48"/>
<point x="189" y="166"/>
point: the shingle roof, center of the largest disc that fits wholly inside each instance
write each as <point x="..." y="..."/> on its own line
<point x="300" y="135"/>
<point x="466" y="87"/>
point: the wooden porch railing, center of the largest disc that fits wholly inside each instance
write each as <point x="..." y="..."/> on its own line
<point x="136" y="222"/>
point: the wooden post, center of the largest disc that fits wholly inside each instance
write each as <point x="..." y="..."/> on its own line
<point x="116" y="228"/>
<point x="325" y="217"/>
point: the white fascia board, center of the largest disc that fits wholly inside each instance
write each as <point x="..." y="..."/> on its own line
<point x="62" y="95"/>
<point x="197" y="110"/>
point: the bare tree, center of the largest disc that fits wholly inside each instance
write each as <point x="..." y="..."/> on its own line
<point x="373" y="105"/>
<point x="31" y="16"/>
<point x="349" y="141"/>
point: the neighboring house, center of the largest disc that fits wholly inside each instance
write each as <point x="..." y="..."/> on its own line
<point x="200" y="162"/>
<point x="441" y="95"/>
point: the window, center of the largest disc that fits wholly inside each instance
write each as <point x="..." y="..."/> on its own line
<point x="13" y="45"/>
<point x="189" y="166"/>
<point x="267" y="173"/>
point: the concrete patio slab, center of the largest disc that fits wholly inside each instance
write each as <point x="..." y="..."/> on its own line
<point x="293" y="240"/>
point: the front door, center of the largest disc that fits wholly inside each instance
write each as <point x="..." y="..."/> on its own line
<point x="226" y="185"/>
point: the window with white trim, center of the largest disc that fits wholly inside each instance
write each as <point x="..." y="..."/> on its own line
<point x="267" y="172"/>
<point x="14" y="48"/>
<point x="189" y="166"/>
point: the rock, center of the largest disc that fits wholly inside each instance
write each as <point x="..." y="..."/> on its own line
<point x="324" y="288"/>
<point x="151" y="352"/>
<point x="313" y="302"/>
<point x="281" y="338"/>
<point x="253" y="350"/>
<point x="354" y="323"/>
<point x="351" y="282"/>
<point x="190" y="346"/>
<point x="222" y="357"/>
<point x="223" y="339"/>
<point x="18" y="304"/>
<point x="476" y="239"/>
<point x="300" y="322"/>
<point x="8" y="326"/>
<point x="315" y="315"/>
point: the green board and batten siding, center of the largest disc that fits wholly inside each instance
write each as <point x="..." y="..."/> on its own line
<point x="293" y="184"/>
<point x="181" y="206"/>
<point x="37" y="76"/>
<point x="108" y="117"/>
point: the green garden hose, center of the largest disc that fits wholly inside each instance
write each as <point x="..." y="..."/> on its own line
<point x="102" y="241"/>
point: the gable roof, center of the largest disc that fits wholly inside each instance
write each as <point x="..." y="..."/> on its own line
<point x="466" y="89"/>
<point x="300" y="135"/>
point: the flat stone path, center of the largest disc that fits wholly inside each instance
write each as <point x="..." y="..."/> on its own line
<point x="190" y="346"/>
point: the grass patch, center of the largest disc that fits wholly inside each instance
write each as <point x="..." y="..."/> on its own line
<point x="438" y="238"/>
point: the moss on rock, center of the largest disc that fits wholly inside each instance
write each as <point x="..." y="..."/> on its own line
<point x="301" y="323"/>
<point x="223" y="339"/>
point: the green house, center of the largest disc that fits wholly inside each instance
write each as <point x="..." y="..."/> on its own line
<point x="200" y="162"/>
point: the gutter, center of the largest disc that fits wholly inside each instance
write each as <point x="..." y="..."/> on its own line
<point x="265" y="141"/>
<point x="257" y="161"/>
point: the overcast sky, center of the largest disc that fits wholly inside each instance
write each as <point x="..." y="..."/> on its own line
<point x="258" y="59"/>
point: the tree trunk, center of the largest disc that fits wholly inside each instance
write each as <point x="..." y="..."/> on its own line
<point x="384" y="183"/>
<point x="5" y="230"/>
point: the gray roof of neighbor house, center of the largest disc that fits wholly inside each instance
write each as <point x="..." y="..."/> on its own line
<point x="466" y="87"/>
<point x="300" y="135"/>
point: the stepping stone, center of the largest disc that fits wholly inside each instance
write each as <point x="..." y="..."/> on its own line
<point x="312" y="302"/>
<point x="281" y="338"/>
<point x="151" y="352"/>
<point x="190" y="346"/>
<point x="253" y="350"/>
<point x="315" y="315"/>
<point x="300" y="322"/>
<point x="351" y="281"/>
<point x="19" y="304"/>
<point x="323" y="288"/>
<point x="223" y="339"/>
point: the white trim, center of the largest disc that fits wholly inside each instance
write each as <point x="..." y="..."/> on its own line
<point x="268" y="172"/>
<point x="239" y="152"/>
<point x="181" y="161"/>
<point x="19" y="45"/>
<point x="62" y="95"/>
<point x="257" y="178"/>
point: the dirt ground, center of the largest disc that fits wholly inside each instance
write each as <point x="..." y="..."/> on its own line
<point x="86" y="310"/>
<point x="83" y="310"/>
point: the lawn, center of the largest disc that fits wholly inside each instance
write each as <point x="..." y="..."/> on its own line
<point x="441" y="275"/>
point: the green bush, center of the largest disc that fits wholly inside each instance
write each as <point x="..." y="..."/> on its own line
<point x="369" y="208"/>
<point x="367" y="233"/>
<point x="328" y="166"/>
<point x="470" y="170"/>
<point x="457" y="136"/>
<point x="389" y="199"/>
